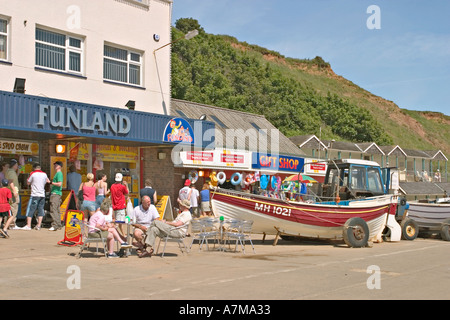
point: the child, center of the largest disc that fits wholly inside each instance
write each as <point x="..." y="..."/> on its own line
<point x="108" y="231"/>
<point x="5" y="208"/>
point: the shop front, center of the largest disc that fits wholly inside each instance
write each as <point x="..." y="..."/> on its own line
<point x="240" y="170"/>
<point x="93" y="138"/>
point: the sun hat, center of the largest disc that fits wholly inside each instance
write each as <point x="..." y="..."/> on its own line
<point x="185" y="203"/>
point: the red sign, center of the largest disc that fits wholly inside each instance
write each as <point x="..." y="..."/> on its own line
<point x="232" y="158"/>
<point x="200" y="156"/>
<point x="318" y="166"/>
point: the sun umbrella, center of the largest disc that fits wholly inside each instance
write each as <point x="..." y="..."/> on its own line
<point x="300" y="178"/>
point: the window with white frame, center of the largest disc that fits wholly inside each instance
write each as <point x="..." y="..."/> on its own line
<point x="4" y="31"/>
<point x="59" y="51"/>
<point x="122" y="65"/>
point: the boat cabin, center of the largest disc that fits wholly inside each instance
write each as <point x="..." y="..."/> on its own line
<point x="352" y="179"/>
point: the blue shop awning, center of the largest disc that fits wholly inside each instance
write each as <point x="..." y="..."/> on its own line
<point x="40" y="118"/>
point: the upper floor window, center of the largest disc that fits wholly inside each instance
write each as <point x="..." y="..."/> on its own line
<point x="59" y="51"/>
<point x="4" y="31"/>
<point x="122" y="65"/>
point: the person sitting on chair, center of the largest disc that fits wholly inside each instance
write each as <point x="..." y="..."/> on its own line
<point x="143" y="215"/>
<point x="161" y="228"/>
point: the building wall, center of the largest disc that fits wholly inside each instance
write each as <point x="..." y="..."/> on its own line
<point x="125" y="24"/>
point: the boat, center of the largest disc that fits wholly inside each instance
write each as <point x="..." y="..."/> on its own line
<point x="431" y="216"/>
<point x="357" y="219"/>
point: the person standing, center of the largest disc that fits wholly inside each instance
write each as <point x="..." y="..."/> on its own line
<point x="119" y="191"/>
<point x="73" y="179"/>
<point x="193" y="198"/>
<point x="149" y="191"/>
<point x="5" y="207"/>
<point x="55" y="196"/>
<point x="102" y="189"/>
<point x="88" y="189"/>
<point x="11" y="175"/>
<point x="184" y="192"/>
<point x="205" y="196"/>
<point x="37" y="180"/>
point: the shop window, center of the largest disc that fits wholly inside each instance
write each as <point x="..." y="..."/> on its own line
<point x="122" y="65"/>
<point x="58" y="51"/>
<point x="4" y="38"/>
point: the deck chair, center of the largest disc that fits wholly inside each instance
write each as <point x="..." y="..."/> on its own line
<point x="202" y="230"/>
<point x="87" y="240"/>
<point x="241" y="232"/>
<point x="179" y="240"/>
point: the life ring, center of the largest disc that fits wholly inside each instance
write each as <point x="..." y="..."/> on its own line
<point x="239" y="179"/>
<point x="221" y="177"/>
<point x="193" y="176"/>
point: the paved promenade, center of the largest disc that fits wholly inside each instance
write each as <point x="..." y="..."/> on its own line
<point x="35" y="267"/>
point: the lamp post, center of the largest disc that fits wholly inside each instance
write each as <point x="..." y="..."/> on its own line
<point x="187" y="36"/>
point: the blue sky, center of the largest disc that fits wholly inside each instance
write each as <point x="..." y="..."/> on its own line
<point x="406" y="60"/>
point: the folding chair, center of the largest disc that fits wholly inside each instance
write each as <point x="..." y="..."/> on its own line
<point x="241" y="232"/>
<point x="179" y="240"/>
<point x="88" y="240"/>
<point x="202" y="230"/>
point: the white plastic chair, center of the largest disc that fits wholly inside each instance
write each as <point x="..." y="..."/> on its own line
<point x="202" y="230"/>
<point x="179" y="240"/>
<point x="241" y="232"/>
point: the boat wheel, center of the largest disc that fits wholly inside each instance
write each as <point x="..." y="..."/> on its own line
<point x="410" y="229"/>
<point x="356" y="233"/>
<point x="445" y="230"/>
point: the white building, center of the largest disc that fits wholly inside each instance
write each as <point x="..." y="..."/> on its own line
<point x="97" y="52"/>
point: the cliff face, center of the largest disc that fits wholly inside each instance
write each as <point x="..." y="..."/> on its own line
<point x="298" y="96"/>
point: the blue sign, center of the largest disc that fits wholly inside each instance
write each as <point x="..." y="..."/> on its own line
<point x="277" y="162"/>
<point x="178" y="130"/>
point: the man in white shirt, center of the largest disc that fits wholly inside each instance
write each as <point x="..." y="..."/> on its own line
<point x="143" y="216"/>
<point x="194" y="197"/>
<point x="161" y="228"/>
<point x="37" y="180"/>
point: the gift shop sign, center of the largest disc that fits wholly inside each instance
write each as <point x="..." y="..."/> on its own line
<point x="216" y="158"/>
<point x="277" y="162"/>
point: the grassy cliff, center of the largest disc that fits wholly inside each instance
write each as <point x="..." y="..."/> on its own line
<point x="298" y="96"/>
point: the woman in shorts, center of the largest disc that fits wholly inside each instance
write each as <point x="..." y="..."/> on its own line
<point x="89" y="192"/>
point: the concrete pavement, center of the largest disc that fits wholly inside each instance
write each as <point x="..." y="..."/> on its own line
<point x="38" y="268"/>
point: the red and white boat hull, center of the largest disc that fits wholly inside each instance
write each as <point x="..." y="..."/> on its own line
<point x="271" y="216"/>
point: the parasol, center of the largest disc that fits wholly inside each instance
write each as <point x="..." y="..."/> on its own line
<point x="300" y="178"/>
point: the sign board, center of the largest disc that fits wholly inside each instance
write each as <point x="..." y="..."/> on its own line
<point x="72" y="231"/>
<point x="315" y="167"/>
<point x="217" y="159"/>
<point x="164" y="208"/>
<point x="277" y="162"/>
<point x="19" y="147"/>
<point x="178" y="130"/>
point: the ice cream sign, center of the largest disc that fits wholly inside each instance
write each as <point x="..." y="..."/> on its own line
<point x="178" y="130"/>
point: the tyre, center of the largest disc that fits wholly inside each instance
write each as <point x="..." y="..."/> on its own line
<point x="410" y="229"/>
<point x="356" y="233"/>
<point x="445" y="230"/>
